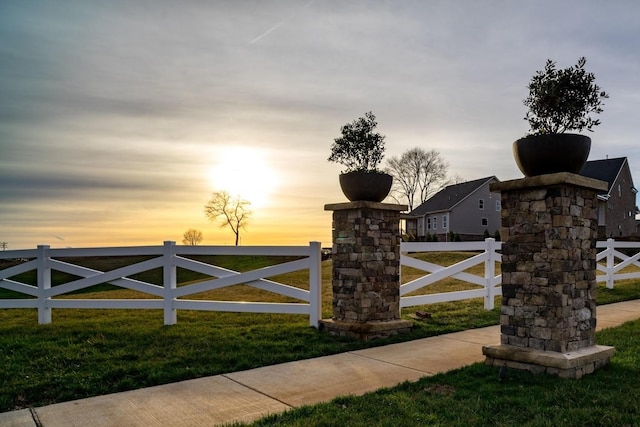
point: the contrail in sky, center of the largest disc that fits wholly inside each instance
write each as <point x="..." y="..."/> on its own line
<point x="266" y="33"/>
<point x="270" y="30"/>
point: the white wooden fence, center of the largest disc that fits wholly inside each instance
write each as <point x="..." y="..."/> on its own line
<point x="168" y="297"/>
<point x="611" y="270"/>
<point x="489" y="282"/>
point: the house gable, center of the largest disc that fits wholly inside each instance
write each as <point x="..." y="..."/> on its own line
<point x="456" y="209"/>
<point x="605" y="170"/>
<point x="617" y="206"/>
<point x="450" y="196"/>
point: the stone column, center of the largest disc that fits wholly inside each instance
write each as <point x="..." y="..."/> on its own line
<point x="366" y="270"/>
<point x="548" y="312"/>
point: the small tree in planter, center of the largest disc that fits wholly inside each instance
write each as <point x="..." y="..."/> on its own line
<point x="559" y="101"/>
<point x="562" y="100"/>
<point x="361" y="150"/>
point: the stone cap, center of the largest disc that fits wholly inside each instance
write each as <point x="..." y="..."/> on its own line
<point x="548" y="180"/>
<point x="361" y="204"/>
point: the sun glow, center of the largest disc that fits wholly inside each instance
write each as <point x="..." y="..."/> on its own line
<point x="244" y="172"/>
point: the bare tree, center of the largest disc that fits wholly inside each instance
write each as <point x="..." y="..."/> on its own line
<point x="233" y="211"/>
<point x="192" y="237"/>
<point x="4" y="245"/>
<point x="417" y="175"/>
<point x="456" y="179"/>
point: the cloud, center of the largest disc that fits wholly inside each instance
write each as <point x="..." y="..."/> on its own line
<point x="115" y="110"/>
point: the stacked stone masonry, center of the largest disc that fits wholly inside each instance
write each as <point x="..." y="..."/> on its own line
<point x="366" y="265"/>
<point x="548" y="268"/>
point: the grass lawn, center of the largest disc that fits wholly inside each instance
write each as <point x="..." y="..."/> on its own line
<point x="473" y="396"/>
<point x="85" y="353"/>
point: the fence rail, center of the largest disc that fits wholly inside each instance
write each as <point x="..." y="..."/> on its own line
<point x="168" y="296"/>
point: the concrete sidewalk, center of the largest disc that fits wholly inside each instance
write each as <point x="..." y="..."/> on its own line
<point x="249" y="395"/>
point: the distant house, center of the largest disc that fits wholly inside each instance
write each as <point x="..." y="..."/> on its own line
<point x="617" y="206"/>
<point x="468" y="210"/>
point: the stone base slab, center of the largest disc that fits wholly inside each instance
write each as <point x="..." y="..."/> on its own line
<point x="366" y="331"/>
<point x="573" y="365"/>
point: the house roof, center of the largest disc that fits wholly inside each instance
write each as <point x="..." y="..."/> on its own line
<point x="604" y="170"/>
<point x="450" y="196"/>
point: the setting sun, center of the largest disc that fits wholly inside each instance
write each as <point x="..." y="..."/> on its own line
<point x="244" y="172"/>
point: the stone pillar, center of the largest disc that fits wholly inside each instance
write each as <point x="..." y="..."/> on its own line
<point x="548" y="312"/>
<point x="366" y="270"/>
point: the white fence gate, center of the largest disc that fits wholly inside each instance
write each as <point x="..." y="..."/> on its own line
<point x="489" y="282"/>
<point x="168" y="297"/>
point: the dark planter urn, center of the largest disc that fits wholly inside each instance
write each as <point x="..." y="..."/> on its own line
<point x="551" y="153"/>
<point x="368" y="186"/>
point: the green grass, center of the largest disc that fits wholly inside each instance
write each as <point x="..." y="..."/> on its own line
<point x="92" y="352"/>
<point x="474" y="396"/>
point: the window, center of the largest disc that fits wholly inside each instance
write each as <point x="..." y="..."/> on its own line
<point x="481" y="204"/>
<point x="498" y="205"/>
<point x="428" y="223"/>
<point x="435" y="222"/>
<point x="485" y="222"/>
<point x="444" y="222"/>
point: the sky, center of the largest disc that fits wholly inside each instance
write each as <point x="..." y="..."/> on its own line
<point x="119" y="119"/>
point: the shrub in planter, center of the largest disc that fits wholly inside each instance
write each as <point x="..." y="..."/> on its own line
<point x="559" y="101"/>
<point x="361" y="150"/>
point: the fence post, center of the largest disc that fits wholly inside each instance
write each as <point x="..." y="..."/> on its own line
<point x="610" y="262"/>
<point x="44" y="284"/>
<point x="315" y="283"/>
<point x="169" y="282"/>
<point x="489" y="274"/>
<point x="402" y="252"/>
